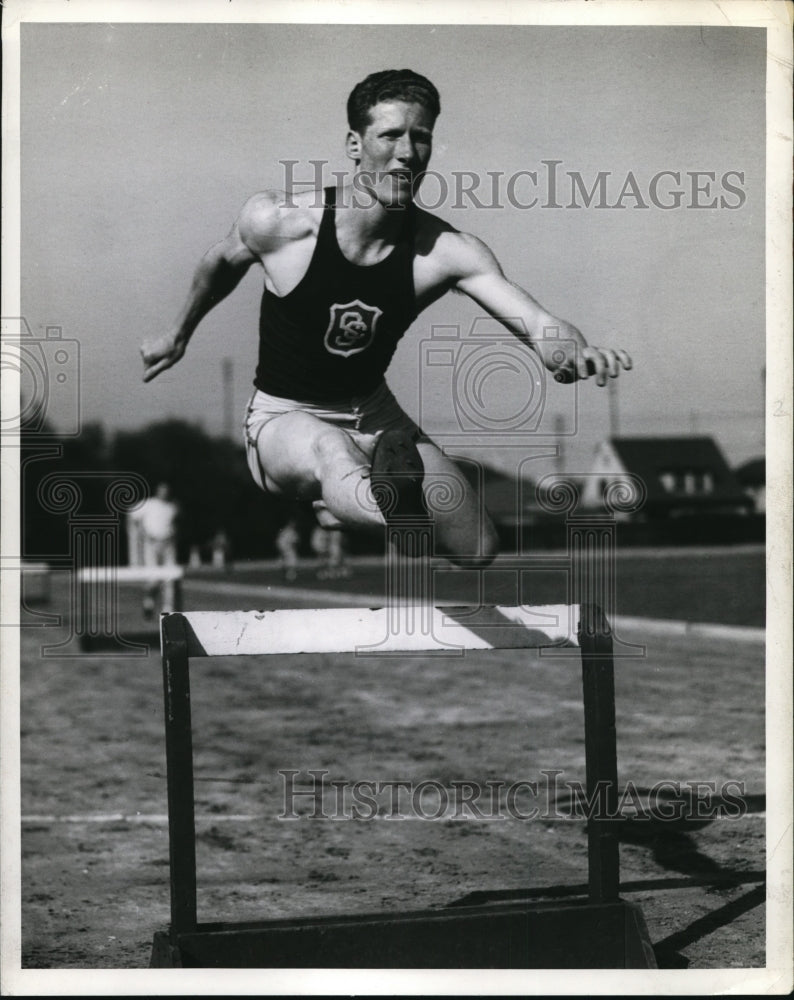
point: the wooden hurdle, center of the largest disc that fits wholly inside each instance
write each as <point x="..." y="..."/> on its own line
<point x="96" y="602"/>
<point x="597" y="931"/>
<point x="168" y="577"/>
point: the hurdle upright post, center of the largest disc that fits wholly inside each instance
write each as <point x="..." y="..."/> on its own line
<point x="179" y="766"/>
<point x="601" y="763"/>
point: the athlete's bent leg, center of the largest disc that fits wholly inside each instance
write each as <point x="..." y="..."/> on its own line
<point x="464" y="531"/>
<point x="303" y="456"/>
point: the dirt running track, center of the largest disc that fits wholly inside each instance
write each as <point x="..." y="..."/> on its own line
<point x="95" y="850"/>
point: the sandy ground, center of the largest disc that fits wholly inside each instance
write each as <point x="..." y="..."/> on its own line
<point x="95" y="847"/>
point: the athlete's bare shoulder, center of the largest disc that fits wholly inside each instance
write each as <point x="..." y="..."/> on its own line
<point x="271" y="218"/>
<point x="450" y="253"/>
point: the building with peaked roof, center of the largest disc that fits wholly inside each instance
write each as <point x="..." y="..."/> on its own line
<point x="680" y="475"/>
<point x="752" y="476"/>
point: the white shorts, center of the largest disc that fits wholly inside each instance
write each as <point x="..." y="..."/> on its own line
<point x="159" y="551"/>
<point x="379" y="411"/>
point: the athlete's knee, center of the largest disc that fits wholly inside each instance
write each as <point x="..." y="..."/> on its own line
<point x="286" y="453"/>
<point x="336" y="452"/>
<point x="342" y="472"/>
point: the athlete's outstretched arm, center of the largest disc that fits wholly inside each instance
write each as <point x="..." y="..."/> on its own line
<point x="218" y="273"/>
<point x="482" y="279"/>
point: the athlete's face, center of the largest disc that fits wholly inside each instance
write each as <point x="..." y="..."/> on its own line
<point x="393" y="150"/>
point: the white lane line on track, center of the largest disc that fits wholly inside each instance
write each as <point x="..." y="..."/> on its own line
<point x="293" y="593"/>
<point x="161" y="819"/>
<point x="705" y="630"/>
<point x="653" y="626"/>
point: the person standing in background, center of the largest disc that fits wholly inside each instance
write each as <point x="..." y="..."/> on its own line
<point x="152" y="530"/>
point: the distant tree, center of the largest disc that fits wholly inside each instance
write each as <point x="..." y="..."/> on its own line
<point x="45" y="534"/>
<point x="41" y="532"/>
<point x="210" y="481"/>
<point x="88" y="451"/>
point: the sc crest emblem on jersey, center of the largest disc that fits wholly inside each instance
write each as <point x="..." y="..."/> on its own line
<point x="352" y="327"/>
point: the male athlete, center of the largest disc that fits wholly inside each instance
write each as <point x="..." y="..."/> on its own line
<point x="346" y="272"/>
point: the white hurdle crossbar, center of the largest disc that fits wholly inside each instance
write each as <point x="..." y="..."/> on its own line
<point x="256" y="633"/>
<point x="169" y="577"/>
<point x="380" y="630"/>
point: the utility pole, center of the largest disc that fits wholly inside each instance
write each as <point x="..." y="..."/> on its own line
<point x="559" y="434"/>
<point x="763" y="408"/>
<point x="614" y="411"/>
<point x="227" y="376"/>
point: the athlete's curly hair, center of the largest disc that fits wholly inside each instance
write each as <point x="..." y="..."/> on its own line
<point x="390" y="85"/>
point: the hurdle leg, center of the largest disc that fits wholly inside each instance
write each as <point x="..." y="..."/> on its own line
<point x="179" y="763"/>
<point x="598" y="683"/>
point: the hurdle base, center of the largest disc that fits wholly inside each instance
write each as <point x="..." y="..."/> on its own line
<point x="574" y="935"/>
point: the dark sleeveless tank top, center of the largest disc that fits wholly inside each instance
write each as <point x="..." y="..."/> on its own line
<point x="332" y="337"/>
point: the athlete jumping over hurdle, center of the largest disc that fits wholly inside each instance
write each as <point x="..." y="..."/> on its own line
<point x="346" y="272"/>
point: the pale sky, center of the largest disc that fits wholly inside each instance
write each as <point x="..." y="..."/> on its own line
<point x="141" y="142"/>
